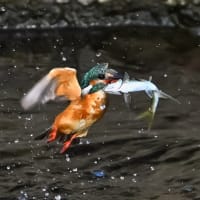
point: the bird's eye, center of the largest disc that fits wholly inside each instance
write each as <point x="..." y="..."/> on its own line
<point x="101" y="76"/>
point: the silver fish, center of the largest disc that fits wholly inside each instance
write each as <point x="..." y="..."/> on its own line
<point x="126" y="86"/>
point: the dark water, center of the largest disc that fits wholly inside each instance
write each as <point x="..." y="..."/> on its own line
<point x="163" y="164"/>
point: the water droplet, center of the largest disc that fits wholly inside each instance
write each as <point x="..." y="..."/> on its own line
<point x="58" y="197"/>
<point x="137" y="14"/>
<point x="140" y="48"/>
<point x="19" y="181"/>
<point x="141" y="131"/>
<point x="2" y="9"/>
<point x="8" y="167"/>
<point x="67" y="158"/>
<point x="16" y="141"/>
<point x="134" y="180"/>
<point x="188" y="188"/>
<point x="46" y="194"/>
<point x="122" y="178"/>
<point x="152" y="168"/>
<point x="23" y="196"/>
<point x="114" y="38"/>
<point x="102" y="107"/>
<point x="95" y="162"/>
<point x="158" y="45"/>
<point x="28" y="118"/>
<point x="98" y="54"/>
<point x="87" y="142"/>
<point x="165" y="75"/>
<point x="75" y="170"/>
<point x="64" y="58"/>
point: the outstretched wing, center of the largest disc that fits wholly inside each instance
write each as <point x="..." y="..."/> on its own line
<point x="59" y="82"/>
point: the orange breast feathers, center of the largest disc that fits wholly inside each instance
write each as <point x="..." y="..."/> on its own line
<point x="81" y="113"/>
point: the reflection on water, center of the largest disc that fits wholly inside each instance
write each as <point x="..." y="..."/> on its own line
<point x="162" y="164"/>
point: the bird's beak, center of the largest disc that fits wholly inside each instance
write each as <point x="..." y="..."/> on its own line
<point x="113" y="75"/>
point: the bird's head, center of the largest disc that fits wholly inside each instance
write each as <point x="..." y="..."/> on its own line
<point x="100" y="72"/>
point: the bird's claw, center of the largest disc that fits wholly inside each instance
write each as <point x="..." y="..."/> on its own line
<point x="52" y="136"/>
<point x="67" y="144"/>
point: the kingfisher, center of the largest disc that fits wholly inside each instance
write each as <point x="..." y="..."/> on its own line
<point x="88" y="100"/>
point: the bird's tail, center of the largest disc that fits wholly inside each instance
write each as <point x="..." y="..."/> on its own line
<point x="43" y="134"/>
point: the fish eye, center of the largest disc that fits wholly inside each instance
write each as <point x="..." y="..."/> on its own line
<point x="101" y="76"/>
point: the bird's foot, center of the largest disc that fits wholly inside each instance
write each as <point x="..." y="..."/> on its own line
<point x="68" y="143"/>
<point x="52" y="135"/>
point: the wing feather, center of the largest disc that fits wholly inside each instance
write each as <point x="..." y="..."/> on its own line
<point x="59" y="82"/>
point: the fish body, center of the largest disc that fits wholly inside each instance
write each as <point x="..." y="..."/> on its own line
<point x="127" y="86"/>
<point x="130" y="86"/>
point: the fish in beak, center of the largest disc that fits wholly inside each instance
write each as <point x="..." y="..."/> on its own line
<point x="112" y="75"/>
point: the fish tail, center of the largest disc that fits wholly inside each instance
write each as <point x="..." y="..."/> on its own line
<point x="43" y="134"/>
<point x="167" y="96"/>
<point x="149" y="115"/>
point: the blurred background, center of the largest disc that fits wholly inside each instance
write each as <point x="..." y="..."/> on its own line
<point x="51" y="14"/>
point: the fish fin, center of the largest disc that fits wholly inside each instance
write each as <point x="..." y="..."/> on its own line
<point x="43" y="134"/>
<point x="149" y="115"/>
<point x="127" y="96"/>
<point x="167" y="96"/>
<point x="149" y="93"/>
<point x="115" y="93"/>
<point x="127" y="100"/>
<point x="126" y="77"/>
<point x="143" y="80"/>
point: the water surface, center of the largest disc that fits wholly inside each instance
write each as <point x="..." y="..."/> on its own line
<point x="162" y="164"/>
